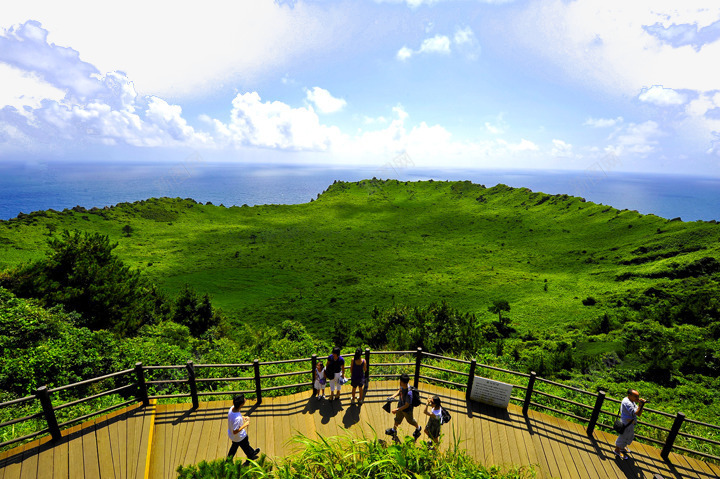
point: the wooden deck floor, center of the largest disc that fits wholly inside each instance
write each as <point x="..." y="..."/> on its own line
<point x="117" y="445"/>
<point x="112" y="446"/>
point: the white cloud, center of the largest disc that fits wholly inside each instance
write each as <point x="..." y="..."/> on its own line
<point x="20" y="89"/>
<point x="273" y="124"/>
<point x="561" y="148"/>
<point x="603" y="43"/>
<point x="436" y="44"/>
<point x="464" y="36"/>
<point x="94" y="108"/>
<point x="404" y="53"/>
<point x="464" y="39"/>
<point x="603" y="122"/>
<point x="636" y="139"/>
<point x="661" y="96"/>
<point x="324" y="101"/>
<point x="225" y="41"/>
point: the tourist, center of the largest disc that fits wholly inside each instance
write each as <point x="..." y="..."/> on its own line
<point x="630" y="410"/>
<point x="358" y="369"/>
<point x="320" y="381"/>
<point x="335" y="372"/>
<point x="404" y="409"/>
<point x="432" y="429"/>
<point x="237" y="431"/>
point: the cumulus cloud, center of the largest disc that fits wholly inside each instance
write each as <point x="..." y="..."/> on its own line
<point x="604" y="43"/>
<point x="436" y="44"/>
<point x="661" y="96"/>
<point x="603" y="122"/>
<point x="464" y="39"/>
<point x="324" y="101"/>
<point x="404" y="53"/>
<point x="636" y="139"/>
<point x="273" y="124"/>
<point x="680" y="35"/>
<point x="95" y="107"/>
<point x="561" y="148"/>
<point x="226" y="41"/>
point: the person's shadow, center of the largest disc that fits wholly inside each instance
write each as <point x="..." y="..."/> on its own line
<point x="352" y="415"/>
<point x="329" y="409"/>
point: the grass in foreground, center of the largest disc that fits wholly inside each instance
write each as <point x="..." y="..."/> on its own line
<point x="344" y="457"/>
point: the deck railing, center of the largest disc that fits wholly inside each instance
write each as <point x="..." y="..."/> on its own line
<point x="137" y="389"/>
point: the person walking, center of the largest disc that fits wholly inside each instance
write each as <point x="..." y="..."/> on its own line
<point x="432" y="428"/>
<point x="237" y="431"/>
<point x="630" y="409"/>
<point x="404" y="409"/>
<point x="358" y="369"/>
<point x="335" y="372"/>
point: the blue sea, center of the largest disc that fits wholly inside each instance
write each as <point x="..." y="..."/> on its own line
<point x="27" y="187"/>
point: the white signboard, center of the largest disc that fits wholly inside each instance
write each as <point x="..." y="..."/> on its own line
<point x="491" y="392"/>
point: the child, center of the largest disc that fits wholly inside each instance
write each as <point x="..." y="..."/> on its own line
<point x="357" y="375"/>
<point x="432" y="429"/>
<point x="404" y="409"/>
<point x="237" y="431"/>
<point x="320" y="381"/>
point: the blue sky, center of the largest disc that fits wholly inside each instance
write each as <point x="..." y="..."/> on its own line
<point x="557" y="84"/>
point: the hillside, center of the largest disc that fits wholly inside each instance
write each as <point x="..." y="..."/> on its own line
<point x="378" y="243"/>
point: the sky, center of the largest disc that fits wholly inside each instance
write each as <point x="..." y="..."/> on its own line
<point x="544" y="84"/>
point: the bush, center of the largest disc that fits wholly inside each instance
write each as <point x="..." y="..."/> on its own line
<point x="345" y="457"/>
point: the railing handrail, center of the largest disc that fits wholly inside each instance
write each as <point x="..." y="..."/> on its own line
<point x="43" y="394"/>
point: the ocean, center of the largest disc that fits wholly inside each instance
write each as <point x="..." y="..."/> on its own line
<point x="38" y="186"/>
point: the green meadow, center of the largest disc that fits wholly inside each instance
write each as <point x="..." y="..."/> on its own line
<point x="374" y="244"/>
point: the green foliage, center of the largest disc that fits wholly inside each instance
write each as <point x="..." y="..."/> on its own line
<point x="436" y="328"/>
<point x="194" y="312"/>
<point x="346" y="457"/>
<point x="82" y="274"/>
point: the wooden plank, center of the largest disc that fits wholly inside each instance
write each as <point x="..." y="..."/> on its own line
<point x="45" y="457"/>
<point x="104" y="449"/>
<point x="76" y="468"/>
<point x="194" y="432"/>
<point x="14" y="468"/>
<point x="89" y="450"/>
<point x="157" y="455"/>
<point x="542" y="445"/>
<point x="221" y="438"/>
<point x="29" y="469"/>
<point x="174" y="413"/>
<point x="148" y="429"/>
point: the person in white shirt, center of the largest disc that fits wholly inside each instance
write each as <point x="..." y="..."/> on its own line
<point x="237" y="431"/>
<point x="432" y="429"/>
<point x="630" y="410"/>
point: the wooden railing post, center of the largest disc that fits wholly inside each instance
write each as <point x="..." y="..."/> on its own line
<point x="43" y="395"/>
<point x="142" y="394"/>
<point x="596" y="412"/>
<point x="528" y="392"/>
<point x="674" y="430"/>
<point x="471" y="378"/>
<point x="418" y="362"/>
<point x="258" y="389"/>
<point x="313" y="361"/>
<point x="367" y="365"/>
<point x="193" y="386"/>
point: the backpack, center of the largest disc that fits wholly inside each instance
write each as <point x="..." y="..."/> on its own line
<point x="415" y="397"/>
<point x="444" y="416"/>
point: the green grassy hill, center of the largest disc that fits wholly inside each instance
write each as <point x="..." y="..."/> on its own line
<point x="375" y="243"/>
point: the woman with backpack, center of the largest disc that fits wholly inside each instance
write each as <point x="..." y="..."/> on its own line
<point x="435" y="420"/>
